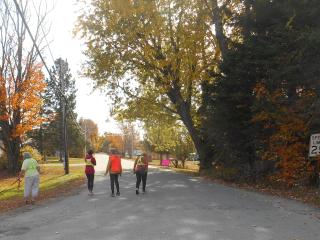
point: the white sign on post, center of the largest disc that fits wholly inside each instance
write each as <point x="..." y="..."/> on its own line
<point x="314" y="146"/>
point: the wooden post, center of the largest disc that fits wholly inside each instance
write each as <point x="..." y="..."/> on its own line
<point x="316" y="172"/>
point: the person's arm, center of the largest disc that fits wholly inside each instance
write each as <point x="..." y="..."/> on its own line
<point x="108" y="167"/>
<point x="135" y="164"/>
<point x="38" y="167"/>
<point x="23" y="170"/>
<point x="93" y="160"/>
<point x="21" y="174"/>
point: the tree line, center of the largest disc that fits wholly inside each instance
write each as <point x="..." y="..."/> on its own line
<point x="241" y="76"/>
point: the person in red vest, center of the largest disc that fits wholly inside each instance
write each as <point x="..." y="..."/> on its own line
<point x="115" y="169"/>
<point x="90" y="162"/>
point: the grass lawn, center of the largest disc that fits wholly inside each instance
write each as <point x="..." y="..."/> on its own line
<point x="55" y="160"/>
<point x="189" y="166"/>
<point x="53" y="181"/>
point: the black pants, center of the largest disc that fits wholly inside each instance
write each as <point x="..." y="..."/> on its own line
<point x="143" y="177"/>
<point x="114" y="180"/>
<point x="90" y="181"/>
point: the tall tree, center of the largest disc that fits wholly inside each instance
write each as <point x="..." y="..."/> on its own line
<point x="158" y="53"/>
<point x="165" y="137"/>
<point x="21" y="78"/>
<point x="91" y="130"/>
<point x="54" y="99"/>
<point x="130" y="137"/>
<point x="115" y="141"/>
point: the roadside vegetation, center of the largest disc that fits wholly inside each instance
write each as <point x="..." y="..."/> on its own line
<point x="53" y="183"/>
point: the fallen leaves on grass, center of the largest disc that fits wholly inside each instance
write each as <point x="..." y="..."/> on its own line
<point x="63" y="190"/>
<point x="53" y="183"/>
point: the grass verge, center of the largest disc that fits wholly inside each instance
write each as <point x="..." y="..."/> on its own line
<point x="53" y="183"/>
<point x="189" y="167"/>
<point x="55" y="160"/>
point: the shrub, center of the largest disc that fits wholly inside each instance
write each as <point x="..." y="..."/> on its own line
<point x="34" y="152"/>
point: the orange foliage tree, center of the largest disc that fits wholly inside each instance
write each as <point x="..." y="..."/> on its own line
<point x="286" y="132"/>
<point x="20" y="104"/>
<point x="92" y="133"/>
<point x="115" y="141"/>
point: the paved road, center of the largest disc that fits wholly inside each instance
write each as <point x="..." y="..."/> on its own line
<point x="176" y="206"/>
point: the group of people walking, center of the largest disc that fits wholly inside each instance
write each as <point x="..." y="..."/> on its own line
<point x="30" y="171"/>
<point x="114" y="168"/>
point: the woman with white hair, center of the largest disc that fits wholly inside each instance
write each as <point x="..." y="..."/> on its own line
<point x="30" y="170"/>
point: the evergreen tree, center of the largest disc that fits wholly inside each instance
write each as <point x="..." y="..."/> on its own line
<point x="50" y="135"/>
<point x="266" y="86"/>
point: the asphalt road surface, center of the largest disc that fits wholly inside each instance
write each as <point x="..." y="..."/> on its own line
<point x="176" y="206"/>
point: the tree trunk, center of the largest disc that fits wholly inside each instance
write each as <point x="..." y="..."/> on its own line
<point x="161" y="157"/>
<point x="12" y="147"/>
<point x="13" y="153"/>
<point x="217" y="21"/>
<point x="184" y="111"/>
<point x="199" y="142"/>
<point x="246" y="29"/>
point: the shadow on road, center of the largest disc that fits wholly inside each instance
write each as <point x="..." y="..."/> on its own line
<point x="176" y="206"/>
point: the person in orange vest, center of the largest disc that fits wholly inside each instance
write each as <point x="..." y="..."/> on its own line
<point x="90" y="162"/>
<point x="140" y="168"/>
<point x="115" y="169"/>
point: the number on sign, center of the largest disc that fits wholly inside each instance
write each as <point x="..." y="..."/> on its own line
<point x="314" y="150"/>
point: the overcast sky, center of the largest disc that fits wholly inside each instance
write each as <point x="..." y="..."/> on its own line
<point x="89" y="105"/>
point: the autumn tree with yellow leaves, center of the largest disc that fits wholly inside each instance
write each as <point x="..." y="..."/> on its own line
<point x="156" y="53"/>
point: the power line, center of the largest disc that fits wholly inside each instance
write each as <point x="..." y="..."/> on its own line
<point x="43" y="32"/>
<point x="31" y="36"/>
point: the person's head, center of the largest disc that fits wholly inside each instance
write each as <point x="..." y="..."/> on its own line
<point x="144" y="157"/>
<point x="26" y="155"/>
<point x="90" y="152"/>
<point x="114" y="152"/>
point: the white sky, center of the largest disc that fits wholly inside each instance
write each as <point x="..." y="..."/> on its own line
<point x="89" y="105"/>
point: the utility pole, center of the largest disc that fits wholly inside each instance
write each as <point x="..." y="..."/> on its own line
<point x="61" y="135"/>
<point x="85" y="137"/>
<point x="132" y="142"/>
<point x="124" y="146"/>
<point x="64" y="122"/>
<point x="66" y="155"/>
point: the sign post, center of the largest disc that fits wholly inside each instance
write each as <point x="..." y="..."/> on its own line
<point x="314" y="151"/>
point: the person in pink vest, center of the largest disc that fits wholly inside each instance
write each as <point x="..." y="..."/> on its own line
<point x="90" y="162"/>
<point x="114" y="168"/>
